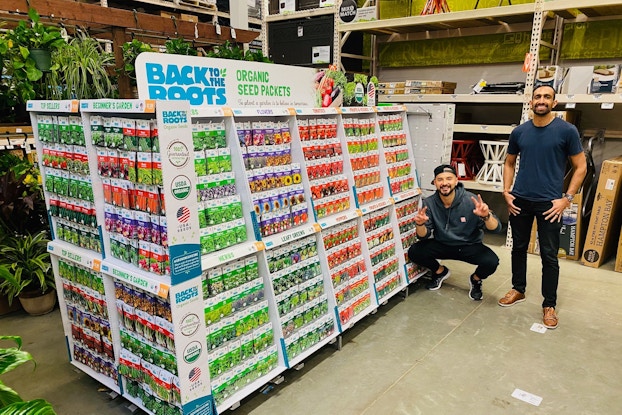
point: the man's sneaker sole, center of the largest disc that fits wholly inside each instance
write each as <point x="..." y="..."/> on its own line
<point x="440" y="282"/>
<point x="511" y="304"/>
<point x="470" y="296"/>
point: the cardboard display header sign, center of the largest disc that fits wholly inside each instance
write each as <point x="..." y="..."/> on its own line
<point x="223" y="82"/>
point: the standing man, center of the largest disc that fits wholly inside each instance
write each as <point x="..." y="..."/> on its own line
<point x="456" y="220"/>
<point x="544" y="145"/>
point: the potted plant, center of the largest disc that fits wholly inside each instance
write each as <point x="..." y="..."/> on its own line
<point x="180" y="47"/>
<point x="10" y="401"/>
<point x="131" y="50"/>
<point x="81" y="70"/>
<point x="30" y="277"/>
<point x="36" y="40"/>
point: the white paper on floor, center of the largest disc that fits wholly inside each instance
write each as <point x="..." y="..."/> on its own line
<point x="538" y="328"/>
<point x="527" y="397"/>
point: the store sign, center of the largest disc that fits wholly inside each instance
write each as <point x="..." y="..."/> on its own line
<point x="223" y="82"/>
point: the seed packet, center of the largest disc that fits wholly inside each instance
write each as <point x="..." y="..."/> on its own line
<point x="155" y="142"/>
<point x="156" y="168"/>
<point x="144" y="168"/>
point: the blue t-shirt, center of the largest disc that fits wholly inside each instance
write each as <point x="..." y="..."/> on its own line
<point x="543" y="153"/>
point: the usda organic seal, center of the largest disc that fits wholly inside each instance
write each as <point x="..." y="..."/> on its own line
<point x="180" y="188"/>
<point x="192" y="352"/>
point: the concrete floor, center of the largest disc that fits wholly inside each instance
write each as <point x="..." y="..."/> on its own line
<point x="435" y="352"/>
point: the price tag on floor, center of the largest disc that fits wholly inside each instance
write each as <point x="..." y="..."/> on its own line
<point x="527" y="397"/>
<point x="538" y="328"/>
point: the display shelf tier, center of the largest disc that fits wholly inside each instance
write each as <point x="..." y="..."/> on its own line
<point x="104" y="380"/>
<point x="230" y="254"/>
<point x="326" y="223"/>
<point x="301" y="14"/>
<point x="489" y="16"/>
<point x="249" y="389"/>
<point x="484" y="187"/>
<point x="274" y="241"/>
<point x="409" y="194"/>
<point x="317" y="111"/>
<point x="416" y="276"/>
<point x="360" y="316"/>
<point x="61" y="106"/>
<point x="81" y="256"/>
<point x="483" y="128"/>
<point x="151" y="283"/>
<point x="358" y="110"/>
<point x="374" y="206"/>
<point x="205" y="111"/>
<point x="385" y="298"/>
<point x="261" y="112"/>
<point x="590" y="8"/>
<point x="391" y="108"/>
<point x="304" y="355"/>
<point x="454" y="98"/>
<point x="589" y="98"/>
<point x="128" y="106"/>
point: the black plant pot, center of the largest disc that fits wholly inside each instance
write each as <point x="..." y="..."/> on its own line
<point x="42" y="58"/>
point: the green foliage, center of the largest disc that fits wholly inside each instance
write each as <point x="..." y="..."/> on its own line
<point x="27" y="260"/>
<point x="23" y="80"/>
<point x="339" y="77"/>
<point x="131" y="50"/>
<point x="10" y="401"/>
<point x="80" y="70"/>
<point x="230" y="50"/>
<point x="348" y="93"/>
<point x="22" y="206"/>
<point x="180" y="47"/>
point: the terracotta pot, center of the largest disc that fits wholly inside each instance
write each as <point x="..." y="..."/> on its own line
<point x="37" y="304"/>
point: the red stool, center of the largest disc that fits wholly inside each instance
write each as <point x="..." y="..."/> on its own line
<point x="464" y="157"/>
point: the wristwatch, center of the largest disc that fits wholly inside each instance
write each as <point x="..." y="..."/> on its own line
<point x="569" y="197"/>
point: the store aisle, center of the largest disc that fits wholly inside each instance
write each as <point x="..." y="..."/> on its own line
<point x="431" y="353"/>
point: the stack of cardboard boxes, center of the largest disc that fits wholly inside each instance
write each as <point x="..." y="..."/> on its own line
<point x="416" y="87"/>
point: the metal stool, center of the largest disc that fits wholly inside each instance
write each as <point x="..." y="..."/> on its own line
<point x="494" y="153"/>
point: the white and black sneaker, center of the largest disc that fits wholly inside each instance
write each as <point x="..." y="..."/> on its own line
<point x="475" y="293"/>
<point x="437" y="280"/>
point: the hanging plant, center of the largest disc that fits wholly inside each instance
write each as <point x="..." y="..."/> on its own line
<point x="180" y="47"/>
<point x="131" y="50"/>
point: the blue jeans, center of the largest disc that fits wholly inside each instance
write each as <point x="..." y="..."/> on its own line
<point x="426" y="252"/>
<point x="548" y="239"/>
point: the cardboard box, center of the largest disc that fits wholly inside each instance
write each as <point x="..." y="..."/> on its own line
<point x="602" y="233"/>
<point x="577" y="80"/>
<point x="604" y="79"/>
<point x="426" y="83"/>
<point x="397" y="91"/>
<point x="619" y="254"/>
<point x="189" y="17"/>
<point x="551" y="75"/>
<point x="390" y="85"/>
<point x="428" y="90"/>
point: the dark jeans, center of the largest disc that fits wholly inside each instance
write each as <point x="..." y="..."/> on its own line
<point x="548" y="239"/>
<point x="427" y="251"/>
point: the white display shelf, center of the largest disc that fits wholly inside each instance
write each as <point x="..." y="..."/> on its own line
<point x="286" y="237"/>
<point x="301" y="14"/>
<point x="67" y="106"/>
<point x="384" y="299"/>
<point x="249" y="389"/>
<point x="326" y="223"/>
<point x="11" y="143"/>
<point x="483" y="128"/>
<point x="358" y="110"/>
<point x="361" y="315"/>
<point x="104" y="380"/>
<point x="304" y="355"/>
<point x="81" y="256"/>
<point x="406" y="195"/>
<point x="589" y="98"/>
<point x="377" y="205"/>
<point x="316" y="111"/>
<point x="261" y="112"/>
<point x="474" y="185"/>
<point x="454" y="98"/>
<point x="151" y="283"/>
<point x="127" y="106"/>
<point x="230" y="254"/>
<point x="490" y="16"/>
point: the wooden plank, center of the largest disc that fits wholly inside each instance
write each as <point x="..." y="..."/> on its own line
<point x="83" y="14"/>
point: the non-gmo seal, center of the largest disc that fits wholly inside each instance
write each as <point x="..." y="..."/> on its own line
<point x="180" y="188"/>
<point x="189" y="324"/>
<point x="177" y="153"/>
<point x="192" y="352"/>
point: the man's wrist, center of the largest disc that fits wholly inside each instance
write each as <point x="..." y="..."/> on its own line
<point x="488" y="216"/>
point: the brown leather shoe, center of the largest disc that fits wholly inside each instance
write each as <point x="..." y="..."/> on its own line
<point x="549" y="318"/>
<point x="511" y="298"/>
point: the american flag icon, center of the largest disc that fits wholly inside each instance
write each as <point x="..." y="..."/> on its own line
<point x="194" y="374"/>
<point x="183" y="214"/>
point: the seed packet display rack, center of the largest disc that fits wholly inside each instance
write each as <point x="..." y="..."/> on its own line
<point x="289" y="271"/>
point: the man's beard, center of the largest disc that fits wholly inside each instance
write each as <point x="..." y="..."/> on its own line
<point x="446" y="190"/>
<point x="541" y="110"/>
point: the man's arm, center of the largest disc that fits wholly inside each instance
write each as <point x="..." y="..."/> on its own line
<point x="508" y="172"/>
<point x="579" y="166"/>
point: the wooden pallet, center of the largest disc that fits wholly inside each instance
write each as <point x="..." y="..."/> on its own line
<point x="202" y="4"/>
